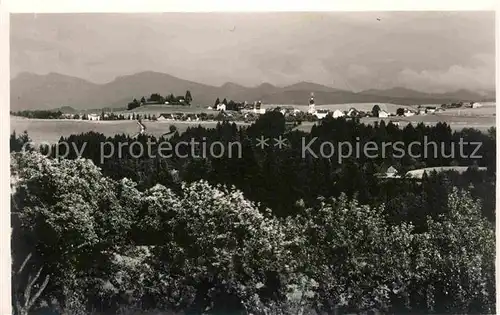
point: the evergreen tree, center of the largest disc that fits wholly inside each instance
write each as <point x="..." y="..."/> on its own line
<point x="188" y="98"/>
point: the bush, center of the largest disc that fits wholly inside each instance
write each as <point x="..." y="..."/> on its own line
<point x="357" y="260"/>
<point x="110" y="247"/>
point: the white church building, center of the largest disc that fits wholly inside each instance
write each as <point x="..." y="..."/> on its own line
<point x="312" y="108"/>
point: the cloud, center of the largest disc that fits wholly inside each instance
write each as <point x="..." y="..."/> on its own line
<point x="359" y="77"/>
<point x="357" y="71"/>
<point x="347" y="50"/>
<point x="479" y="75"/>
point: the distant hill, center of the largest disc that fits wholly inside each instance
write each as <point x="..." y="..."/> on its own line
<point x="231" y="90"/>
<point x="398" y="92"/>
<point x="459" y="95"/>
<point x="31" y="91"/>
<point x="309" y="86"/>
<point x="67" y="110"/>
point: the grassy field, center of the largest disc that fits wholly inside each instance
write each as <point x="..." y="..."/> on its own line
<point x="51" y="130"/>
<point x="487" y="110"/>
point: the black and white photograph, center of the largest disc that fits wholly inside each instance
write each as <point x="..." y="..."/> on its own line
<point x="252" y="163"/>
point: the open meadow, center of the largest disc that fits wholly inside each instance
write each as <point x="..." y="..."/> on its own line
<point x="486" y="110"/>
<point x="51" y="130"/>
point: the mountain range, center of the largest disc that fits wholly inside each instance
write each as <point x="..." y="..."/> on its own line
<point x="53" y="90"/>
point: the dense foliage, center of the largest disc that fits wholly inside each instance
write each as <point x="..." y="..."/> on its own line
<point x="40" y="114"/>
<point x="156" y="98"/>
<point x="277" y="178"/>
<point x="269" y="233"/>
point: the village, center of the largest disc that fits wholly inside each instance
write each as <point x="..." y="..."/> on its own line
<point x="249" y="112"/>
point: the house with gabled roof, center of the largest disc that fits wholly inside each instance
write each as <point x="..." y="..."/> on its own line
<point x="338" y="113"/>
<point x="383" y="114"/>
<point x="390" y="172"/>
<point x="353" y="112"/>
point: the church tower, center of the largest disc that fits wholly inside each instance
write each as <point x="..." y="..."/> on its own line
<point x="312" y="109"/>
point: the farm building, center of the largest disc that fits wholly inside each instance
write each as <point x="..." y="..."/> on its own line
<point x="322" y="113"/>
<point x="391" y="172"/>
<point x="408" y="113"/>
<point x="192" y="117"/>
<point x="286" y="110"/>
<point x="166" y="117"/>
<point x="338" y="113"/>
<point x="259" y="111"/>
<point x="94" y="117"/>
<point x="430" y="109"/>
<point x="353" y="112"/>
<point x="383" y="114"/>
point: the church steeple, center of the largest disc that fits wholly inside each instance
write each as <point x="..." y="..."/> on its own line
<point x="312" y="109"/>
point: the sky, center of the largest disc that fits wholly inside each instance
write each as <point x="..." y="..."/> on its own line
<point x="425" y="51"/>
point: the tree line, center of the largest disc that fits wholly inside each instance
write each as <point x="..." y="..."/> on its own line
<point x="231" y="105"/>
<point x="40" y="114"/>
<point x="156" y="98"/>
